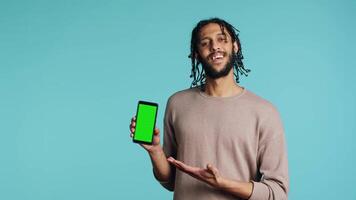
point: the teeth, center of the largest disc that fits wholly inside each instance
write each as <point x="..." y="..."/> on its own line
<point x="217" y="56"/>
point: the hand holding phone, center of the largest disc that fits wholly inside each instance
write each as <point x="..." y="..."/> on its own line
<point x="142" y="126"/>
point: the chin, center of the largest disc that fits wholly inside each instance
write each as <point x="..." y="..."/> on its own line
<point x="218" y="67"/>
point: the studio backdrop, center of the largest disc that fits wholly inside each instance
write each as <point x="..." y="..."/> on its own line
<point x="72" y="72"/>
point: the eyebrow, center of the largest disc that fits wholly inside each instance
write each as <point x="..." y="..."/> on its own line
<point x="219" y="34"/>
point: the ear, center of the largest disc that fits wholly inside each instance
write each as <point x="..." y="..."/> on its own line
<point x="235" y="47"/>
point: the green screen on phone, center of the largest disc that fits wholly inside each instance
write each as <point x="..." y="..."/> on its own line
<point x="145" y="122"/>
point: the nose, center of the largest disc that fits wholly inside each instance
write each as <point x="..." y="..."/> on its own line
<point x="214" y="46"/>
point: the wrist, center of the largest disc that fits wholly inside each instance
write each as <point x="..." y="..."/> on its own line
<point x="155" y="151"/>
<point x="227" y="184"/>
<point x="222" y="183"/>
<point x="238" y="188"/>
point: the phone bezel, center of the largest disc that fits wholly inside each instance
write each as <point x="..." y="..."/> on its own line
<point x="150" y="104"/>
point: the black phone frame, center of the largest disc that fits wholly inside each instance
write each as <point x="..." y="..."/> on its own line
<point x="151" y="104"/>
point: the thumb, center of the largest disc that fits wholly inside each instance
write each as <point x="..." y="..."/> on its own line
<point x="156" y="131"/>
<point x="213" y="170"/>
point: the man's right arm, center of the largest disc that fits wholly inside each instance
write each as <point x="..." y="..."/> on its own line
<point x="161" y="167"/>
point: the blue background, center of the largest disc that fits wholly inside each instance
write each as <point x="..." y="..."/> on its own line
<point x="71" y="73"/>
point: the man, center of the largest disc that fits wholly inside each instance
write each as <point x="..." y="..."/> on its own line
<point x="221" y="141"/>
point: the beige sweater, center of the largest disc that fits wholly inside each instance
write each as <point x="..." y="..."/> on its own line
<point x="242" y="136"/>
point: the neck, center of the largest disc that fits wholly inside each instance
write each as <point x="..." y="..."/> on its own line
<point x="222" y="87"/>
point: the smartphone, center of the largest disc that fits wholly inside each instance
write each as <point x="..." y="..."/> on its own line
<point x="145" y="122"/>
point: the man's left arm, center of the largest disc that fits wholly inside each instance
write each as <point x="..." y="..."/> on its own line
<point x="272" y="186"/>
<point x="272" y="164"/>
<point x="211" y="176"/>
<point x="272" y="161"/>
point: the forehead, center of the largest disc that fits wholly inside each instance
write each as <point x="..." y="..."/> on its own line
<point x="210" y="30"/>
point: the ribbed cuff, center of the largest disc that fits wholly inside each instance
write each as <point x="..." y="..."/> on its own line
<point x="259" y="191"/>
<point x="166" y="184"/>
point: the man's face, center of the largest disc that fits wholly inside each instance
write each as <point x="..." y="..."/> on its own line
<point x="215" y="50"/>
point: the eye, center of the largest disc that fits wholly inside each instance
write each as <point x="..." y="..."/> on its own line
<point x="222" y="39"/>
<point x="204" y="43"/>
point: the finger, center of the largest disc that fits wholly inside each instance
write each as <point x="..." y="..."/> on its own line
<point x="181" y="164"/>
<point x="133" y="119"/>
<point x="180" y="167"/>
<point x="212" y="169"/>
<point x="131" y="126"/>
<point x="170" y="159"/>
<point x="132" y="130"/>
<point x="209" y="168"/>
<point x="206" y="173"/>
<point x="144" y="145"/>
<point x="191" y="173"/>
<point x="156" y="132"/>
<point x="183" y="169"/>
<point x="175" y="163"/>
<point x="187" y="167"/>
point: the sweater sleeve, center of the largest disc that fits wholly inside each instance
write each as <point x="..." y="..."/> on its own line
<point x="169" y="145"/>
<point x="272" y="161"/>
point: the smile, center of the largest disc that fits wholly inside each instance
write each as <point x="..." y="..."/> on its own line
<point x="217" y="57"/>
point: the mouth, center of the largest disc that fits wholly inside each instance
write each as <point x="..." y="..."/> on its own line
<point x="217" y="57"/>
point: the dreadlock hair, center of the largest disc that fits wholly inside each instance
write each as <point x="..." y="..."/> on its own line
<point x="197" y="74"/>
